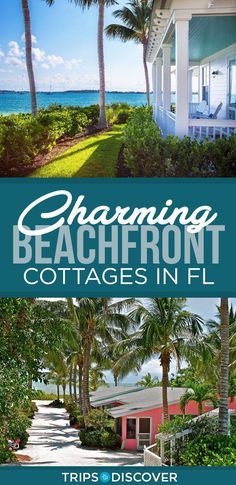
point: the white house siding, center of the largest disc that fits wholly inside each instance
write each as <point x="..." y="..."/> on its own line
<point x="219" y="85"/>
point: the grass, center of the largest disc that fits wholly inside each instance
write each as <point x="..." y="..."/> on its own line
<point x="95" y="156"/>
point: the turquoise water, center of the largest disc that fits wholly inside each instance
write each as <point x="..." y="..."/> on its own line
<point x="11" y="102"/>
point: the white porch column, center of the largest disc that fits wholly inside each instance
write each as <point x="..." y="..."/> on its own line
<point x="154" y="82"/>
<point x="181" y="20"/>
<point x="190" y="85"/>
<point x="166" y="48"/>
<point x="159" y="81"/>
<point x="154" y="88"/>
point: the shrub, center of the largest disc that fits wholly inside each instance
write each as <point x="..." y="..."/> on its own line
<point x="17" y="428"/>
<point x="5" y="454"/>
<point x="99" y="438"/>
<point x="33" y="409"/>
<point x="119" y="113"/>
<point x="75" y="414"/>
<point x="143" y="145"/>
<point x="22" y="137"/>
<point x="177" y="424"/>
<point x="210" y="451"/>
<point x="147" y="154"/>
<point x="56" y="404"/>
<point x="98" y="418"/>
<point x="41" y="395"/>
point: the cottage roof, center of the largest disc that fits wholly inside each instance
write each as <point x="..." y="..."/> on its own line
<point x="135" y="400"/>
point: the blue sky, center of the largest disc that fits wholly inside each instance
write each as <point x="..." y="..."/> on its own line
<point x="65" y="52"/>
<point x="206" y="308"/>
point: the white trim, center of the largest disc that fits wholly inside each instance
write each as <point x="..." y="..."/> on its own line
<point x="229" y="59"/>
<point x="221" y="53"/>
<point x="138" y="427"/>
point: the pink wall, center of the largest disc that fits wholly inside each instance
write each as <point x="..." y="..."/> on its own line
<point x="156" y="419"/>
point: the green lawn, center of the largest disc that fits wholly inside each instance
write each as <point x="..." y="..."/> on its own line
<point x="94" y="157"/>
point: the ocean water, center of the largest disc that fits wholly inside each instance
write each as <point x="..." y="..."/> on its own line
<point x="13" y="102"/>
<point x="19" y="102"/>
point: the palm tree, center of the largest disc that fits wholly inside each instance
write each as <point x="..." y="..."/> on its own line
<point x="135" y="19"/>
<point x="167" y="330"/>
<point x="98" y="319"/>
<point x="199" y="393"/>
<point x="97" y="379"/>
<point x="148" y="381"/>
<point x="224" y="368"/>
<point x="28" y="55"/>
<point x="101" y="4"/>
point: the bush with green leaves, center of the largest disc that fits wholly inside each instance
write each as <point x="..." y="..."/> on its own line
<point x="57" y="403"/>
<point x="175" y="425"/>
<point x="143" y="142"/>
<point x="5" y="454"/>
<point x="119" y="113"/>
<point x="210" y="450"/>
<point x="76" y="417"/>
<point x="99" y="418"/>
<point x="99" y="438"/>
<point x="17" y="428"/>
<point x="99" y="430"/>
<point x="148" y="154"/>
<point x="199" y="428"/>
<point x="23" y="136"/>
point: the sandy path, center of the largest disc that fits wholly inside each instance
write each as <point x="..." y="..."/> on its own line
<point x="53" y="442"/>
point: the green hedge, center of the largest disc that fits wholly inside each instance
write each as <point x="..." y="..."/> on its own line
<point x="147" y="154"/>
<point x="210" y="451"/>
<point x="99" y="430"/>
<point x="99" y="438"/>
<point x="22" y="137"/>
<point x="119" y="113"/>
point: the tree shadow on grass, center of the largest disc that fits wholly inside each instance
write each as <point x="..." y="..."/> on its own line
<point x="100" y="163"/>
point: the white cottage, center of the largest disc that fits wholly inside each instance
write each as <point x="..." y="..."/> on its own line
<point x="192" y="48"/>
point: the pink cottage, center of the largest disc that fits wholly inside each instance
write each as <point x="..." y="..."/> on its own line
<point x="138" y="412"/>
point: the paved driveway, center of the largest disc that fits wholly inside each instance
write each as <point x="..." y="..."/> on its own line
<point x="53" y="442"/>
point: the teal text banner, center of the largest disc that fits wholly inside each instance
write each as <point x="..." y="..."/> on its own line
<point x="117" y="475"/>
<point x="117" y="237"/>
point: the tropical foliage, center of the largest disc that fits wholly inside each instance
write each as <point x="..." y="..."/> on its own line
<point x="135" y="18"/>
<point x="148" y="381"/>
<point x="22" y="136"/>
<point x="148" y="154"/>
<point x="71" y="343"/>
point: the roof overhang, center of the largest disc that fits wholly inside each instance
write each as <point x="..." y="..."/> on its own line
<point x="211" y="29"/>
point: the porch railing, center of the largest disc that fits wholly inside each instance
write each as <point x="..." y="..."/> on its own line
<point x="211" y="129"/>
<point x="165" y="120"/>
<point x="151" y="457"/>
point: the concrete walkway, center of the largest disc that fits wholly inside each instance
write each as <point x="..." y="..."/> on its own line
<point x="53" y="442"/>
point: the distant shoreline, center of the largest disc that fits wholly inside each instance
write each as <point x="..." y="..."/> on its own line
<point x="3" y="91"/>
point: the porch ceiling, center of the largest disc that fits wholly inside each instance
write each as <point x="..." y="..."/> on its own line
<point x="209" y="35"/>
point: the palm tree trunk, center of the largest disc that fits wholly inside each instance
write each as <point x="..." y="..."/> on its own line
<point x="58" y="392"/>
<point x="86" y="368"/>
<point x="80" y="385"/>
<point x="115" y="379"/>
<point x="224" y="368"/>
<point x="64" y="392"/>
<point x="28" y="55"/>
<point x="165" y="362"/>
<point x="101" y="64"/>
<point x="75" y="381"/>
<point x="200" y="410"/>
<point x="70" y="381"/>
<point x="146" y="72"/>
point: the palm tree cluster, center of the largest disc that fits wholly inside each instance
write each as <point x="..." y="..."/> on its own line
<point x="121" y="336"/>
<point x="135" y="22"/>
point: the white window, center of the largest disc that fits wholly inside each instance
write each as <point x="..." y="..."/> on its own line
<point x="205" y="84"/>
<point x="232" y="89"/>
